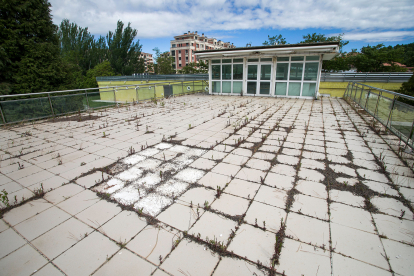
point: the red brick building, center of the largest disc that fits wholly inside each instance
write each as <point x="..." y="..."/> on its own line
<point x="183" y="47"/>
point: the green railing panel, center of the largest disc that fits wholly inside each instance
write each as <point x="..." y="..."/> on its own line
<point x="26" y="109"/>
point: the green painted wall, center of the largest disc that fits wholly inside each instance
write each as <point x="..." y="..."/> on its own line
<point x="337" y="89"/>
<point x="146" y="91"/>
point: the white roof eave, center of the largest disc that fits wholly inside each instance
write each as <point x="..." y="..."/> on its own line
<point x="327" y="50"/>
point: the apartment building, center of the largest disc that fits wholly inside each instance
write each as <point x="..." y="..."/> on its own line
<point x="183" y="47"/>
<point x="147" y="60"/>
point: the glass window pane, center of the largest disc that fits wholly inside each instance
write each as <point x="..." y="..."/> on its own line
<point x="237" y="60"/>
<point x="294" y="89"/>
<point x="297" y="58"/>
<point x="215" y="61"/>
<point x="252" y="72"/>
<point x="266" y="59"/>
<point x="226" y="72"/>
<point x="226" y="61"/>
<point x="280" y="88"/>
<point x="311" y="71"/>
<point x="283" y="59"/>
<point x="308" y="89"/>
<point x="253" y="60"/>
<point x="216" y="87"/>
<point x="226" y="86"/>
<point x="237" y="87"/>
<point x="251" y="87"/>
<point x="265" y="88"/>
<point x="265" y="72"/>
<point x="296" y="71"/>
<point x="282" y="71"/>
<point x="312" y="58"/>
<point x="237" y="71"/>
<point x="215" y="72"/>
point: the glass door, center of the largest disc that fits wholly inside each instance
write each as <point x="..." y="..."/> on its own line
<point x="265" y="74"/>
<point x="252" y="79"/>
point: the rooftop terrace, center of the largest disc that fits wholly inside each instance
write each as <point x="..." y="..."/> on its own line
<point x="207" y="185"/>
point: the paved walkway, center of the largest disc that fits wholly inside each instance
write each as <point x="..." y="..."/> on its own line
<point x="207" y="185"/>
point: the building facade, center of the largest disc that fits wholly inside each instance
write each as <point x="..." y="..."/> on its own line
<point x="183" y="47"/>
<point x="291" y="70"/>
<point x="147" y="61"/>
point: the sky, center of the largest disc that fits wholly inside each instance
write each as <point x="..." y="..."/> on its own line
<point x="363" y="22"/>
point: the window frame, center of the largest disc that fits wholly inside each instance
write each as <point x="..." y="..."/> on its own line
<point x="301" y="81"/>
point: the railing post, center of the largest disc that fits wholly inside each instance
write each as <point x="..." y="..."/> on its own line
<point x="352" y="89"/>
<point x="193" y="87"/>
<point x="366" y="103"/>
<point x="182" y="87"/>
<point x="136" y="94"/>
<point x="2" y="115"/>
<point x="376" y="106"/>
<point x="356" y="90"/>
<point x="114" y="95"/>
<point x="51" y="106"/>
<point x="392" y="107"/>
<point x="411" y="134"/>
<point x="87" y="99"/>
<point x="155" y="89"/>
<point x="360" y="97"/>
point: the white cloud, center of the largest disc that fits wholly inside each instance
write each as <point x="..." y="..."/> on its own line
<point x="379" y="36"/>
<point x="162" y="18"/>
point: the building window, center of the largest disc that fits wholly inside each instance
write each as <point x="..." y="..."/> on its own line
<point x="179" y="51"/>
<point x="296" y="76"/>
<point x="186" y="51"/>
<point x="179" y="58"/>
<point x="186" y="44"/>
<point x="173" y="46"/>
<point x="173" y="53"/>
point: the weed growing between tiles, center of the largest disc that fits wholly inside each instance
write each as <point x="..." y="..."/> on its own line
<point x="380" y="162"/>
<point x="150" y="175"/>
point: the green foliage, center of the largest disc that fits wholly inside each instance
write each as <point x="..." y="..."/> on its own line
<point x="29" y="53"/>
<point x="272" y="40"/>
<point x="123" y="53"/>
<point x="4" y="198"/>
<point x="407" y="88"/>
<point x="75" y="44"/>
<point x="408" y="55"/>
<point x="195" y="68"/>
<point x="163" y="63"/>
<point x="372" y="58"/>
<point x="103" y="69"/>
<point x="312" y="38"/>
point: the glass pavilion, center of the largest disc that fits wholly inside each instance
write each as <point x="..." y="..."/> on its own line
<point x="291" y="70"/>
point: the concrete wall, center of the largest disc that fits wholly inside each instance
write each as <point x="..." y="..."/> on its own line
<point x="337" y="89"/>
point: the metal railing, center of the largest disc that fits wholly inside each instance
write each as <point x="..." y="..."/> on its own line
<point x="365" y="77"/>
<point x="388" y="107"/>
<point x="35" y="106"/>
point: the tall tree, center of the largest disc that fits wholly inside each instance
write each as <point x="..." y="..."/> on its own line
<point x="28" y="47"/>
<point x="76" y="44"/>
<point x="163" y="63"/>
<point x="124" y="53"/>
<point x="273" y="40"/>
